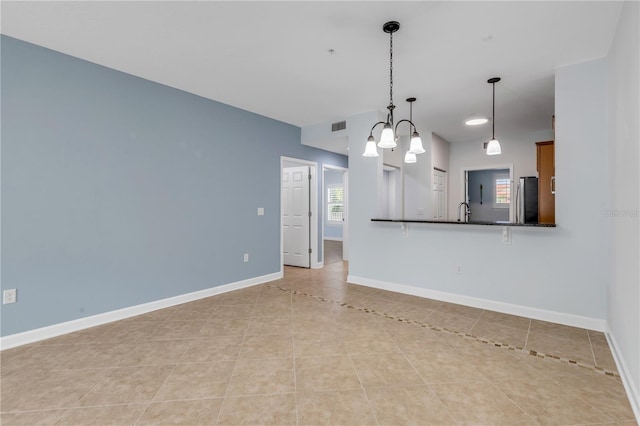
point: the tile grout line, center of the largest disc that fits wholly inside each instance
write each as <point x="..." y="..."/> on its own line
<point x="156" y="393"/>
<point x="427" y="384"/>
<point x="526" y="339"/>
<point x="612" y="420"/>
<point x="293" y="355"/>
<point x="373" y="411"/>
<point x="531" y="352"/>
<point x="476" y="321"/>
<point x="526" y="413"/>
<point x="593" y="354"/>
<point x="235" y="362"/>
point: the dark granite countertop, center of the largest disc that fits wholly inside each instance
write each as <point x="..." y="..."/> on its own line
<point x="450" y="222"/>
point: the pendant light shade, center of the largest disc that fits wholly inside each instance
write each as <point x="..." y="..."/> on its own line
<point x="370" y="150"/>
<point x="387" y="139"/>
<point x="416" y="144"/>
<point x="410" y="157"/>
<point x="493" y="147"/>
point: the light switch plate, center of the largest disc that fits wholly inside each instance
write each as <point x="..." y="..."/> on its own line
<point x="9" y="296"/>
<point x="260" y="211"/>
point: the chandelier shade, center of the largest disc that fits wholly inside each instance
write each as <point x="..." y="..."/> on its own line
<point x="387" y="138"/>
<point x="370" y="149"/>
<point x="410" y="157"/>
<point x="416" y="144"/>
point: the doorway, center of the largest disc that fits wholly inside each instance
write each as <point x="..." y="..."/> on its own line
<point x="392" y="193"/>
<point x="335" y="209"/>
<point x="299" y="212"/>
<point x="488" y="193"/>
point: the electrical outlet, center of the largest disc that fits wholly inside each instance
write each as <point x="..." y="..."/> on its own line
<point x="459" y="270"/>
<point x="9" y="296"/>
<point x="246" y="257"/>
<point x="260" y="211"/>
<point x="506" y="235"/>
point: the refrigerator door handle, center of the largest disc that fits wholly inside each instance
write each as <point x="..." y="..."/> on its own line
<point x="518" y="186"/>
<point x="552" y="185"/>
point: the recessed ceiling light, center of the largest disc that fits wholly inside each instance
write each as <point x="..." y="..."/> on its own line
<point x="476" y="121"/>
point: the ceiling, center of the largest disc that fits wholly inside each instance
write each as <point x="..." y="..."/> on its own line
<point x="274" y="58"/>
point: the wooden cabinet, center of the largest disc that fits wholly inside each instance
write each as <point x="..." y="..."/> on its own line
<point x="546" y="182"/>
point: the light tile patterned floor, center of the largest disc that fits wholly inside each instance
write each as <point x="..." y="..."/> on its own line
<point x="312" y="350"/>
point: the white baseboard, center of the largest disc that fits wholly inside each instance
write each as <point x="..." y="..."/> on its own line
<point x="333" y="239"/>
<point x="633" y="393"/>
<point x="317" y="265"/>
<point x="507" y="308"/>
<point x="31" y="336"/>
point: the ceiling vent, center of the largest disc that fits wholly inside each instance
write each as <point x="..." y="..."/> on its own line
<point x="339" y="125"/>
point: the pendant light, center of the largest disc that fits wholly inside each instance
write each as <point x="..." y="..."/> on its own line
<point x="493" y="147"/>
<point x="415" y="147"/>
<point x="370" y="149"/>
<point x="410" y="157"/>
<point x="388" y="137"/>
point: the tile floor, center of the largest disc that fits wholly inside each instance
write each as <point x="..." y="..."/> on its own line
<point x="312" y="350"/>
<point x="332" y="252"/>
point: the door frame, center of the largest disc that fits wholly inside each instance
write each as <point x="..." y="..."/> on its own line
<point x="313" y="204"/>
<point x="345" y="223"/>
<point x="465" y="170"/>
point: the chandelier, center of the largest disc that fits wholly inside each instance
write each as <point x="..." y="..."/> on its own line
<point x="388" y="137"/>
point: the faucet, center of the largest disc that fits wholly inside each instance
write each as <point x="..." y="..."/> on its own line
<point x="467" y="211"/>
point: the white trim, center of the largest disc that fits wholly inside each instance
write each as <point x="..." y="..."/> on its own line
<point x="318" y="265"/>
<point x="19" y="339"/>
<point x="633" y="395"/>
<point x="507" y="308"/>
<point x="332" y="239"/>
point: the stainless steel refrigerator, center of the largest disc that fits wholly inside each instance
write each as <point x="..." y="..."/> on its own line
<point x="527" y="200"/>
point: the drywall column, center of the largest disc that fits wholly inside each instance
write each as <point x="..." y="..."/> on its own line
<point x="622" y="212"/>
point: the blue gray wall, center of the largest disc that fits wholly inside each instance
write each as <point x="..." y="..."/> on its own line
<point x="119" y="191"/>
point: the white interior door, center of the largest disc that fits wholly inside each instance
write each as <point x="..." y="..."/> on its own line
<point x="439" y="192"/>
<point x="296" y="216"/>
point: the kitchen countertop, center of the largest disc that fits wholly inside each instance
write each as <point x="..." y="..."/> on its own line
<point x="451" y="222"/>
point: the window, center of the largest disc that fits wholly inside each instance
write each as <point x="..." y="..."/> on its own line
<point x="335" y="203"/>
<point x="502" y="191"/>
